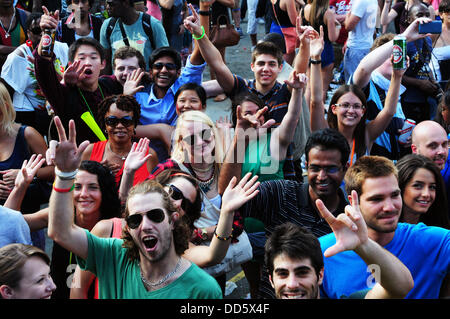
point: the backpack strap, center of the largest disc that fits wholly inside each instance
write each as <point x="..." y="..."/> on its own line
<point x="146" y="25"/>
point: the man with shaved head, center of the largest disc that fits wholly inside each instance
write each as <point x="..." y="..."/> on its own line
<point x="430" y="140"/>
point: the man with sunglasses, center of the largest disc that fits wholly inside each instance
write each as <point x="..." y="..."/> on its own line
<point x="281" y="201"/>
<point x="146" y="263"/>
<point x="28" y="100"/>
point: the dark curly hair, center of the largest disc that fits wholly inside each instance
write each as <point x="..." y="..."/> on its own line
<point x="123" y="102"/>
<point x="194" y="213"/>
<point x="110" y="206"/>
<point x="181" y="232"/>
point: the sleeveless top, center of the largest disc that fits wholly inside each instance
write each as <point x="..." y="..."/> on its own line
<point x="320" y="22"/>
<point x="19" y="154"/>
<point x="278" y="14"/>
<point x="97" y="155"/>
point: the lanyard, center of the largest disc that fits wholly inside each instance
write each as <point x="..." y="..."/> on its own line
<point x="353" y="153"/>
<point x="84" y="99"/>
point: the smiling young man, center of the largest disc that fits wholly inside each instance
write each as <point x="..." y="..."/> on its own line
<point x="424" y="250"/>
<point x="281" y="201"/>
<point x="147" y="262"/>
<point x="71" y="101"/>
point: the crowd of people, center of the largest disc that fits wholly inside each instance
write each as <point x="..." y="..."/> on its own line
<point x="106" y="148"/>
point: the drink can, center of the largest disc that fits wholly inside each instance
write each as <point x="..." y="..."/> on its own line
<point x="399" y="53"/>
<point x="48" y="41"/>
<point x="406" y="131"/>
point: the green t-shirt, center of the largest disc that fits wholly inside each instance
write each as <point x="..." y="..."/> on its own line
<point x="259" y="162"/>
<point x="119" y="277"/>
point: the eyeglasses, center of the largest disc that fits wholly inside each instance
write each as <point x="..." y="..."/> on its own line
<point x="346" y="106"/>
<point x="36" y="30"/>
<point x="114" y="121"/>
<point x="156" y="215"/>
<point x="204" y="135"/>
<point x="160" y="65"/>
<point x="177" y="194"/>
<point x="332" y="169"/>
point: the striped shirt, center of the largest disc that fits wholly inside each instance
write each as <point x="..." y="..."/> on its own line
<point x="281" y="201"/>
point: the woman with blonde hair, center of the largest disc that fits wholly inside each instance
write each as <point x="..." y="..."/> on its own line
<point x="17" y="143"/>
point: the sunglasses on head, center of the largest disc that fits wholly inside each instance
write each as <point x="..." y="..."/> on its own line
<point x="177" y="194"/>
<point x="114" y="121"/>
<point x="160" y="65"/>
<point x="35" y="30"/>
<point x="156" y="215"/>
<point x="204" y="135"/>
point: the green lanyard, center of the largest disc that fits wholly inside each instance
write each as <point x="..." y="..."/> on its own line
<point x="84" y="99"/>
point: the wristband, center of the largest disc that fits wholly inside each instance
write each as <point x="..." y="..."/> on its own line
<point x="63" y="190"/>
<point x="65" y="176"/>
<point x="203" y="13"/>
<point x="315" y="61"/>
<point x="222" y="238"/>
<point x="200" y="37"/>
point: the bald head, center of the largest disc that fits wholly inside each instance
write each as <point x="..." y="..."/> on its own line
<point x="430" y="140"/>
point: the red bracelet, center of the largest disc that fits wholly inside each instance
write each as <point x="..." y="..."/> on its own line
<point x="63" y="190"/>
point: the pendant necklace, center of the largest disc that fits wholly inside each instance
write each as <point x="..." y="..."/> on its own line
<point x="166" y="277"/>
<point x="7" y="35"/>
<point x="205" y="186"/>
<point x="122" y="157"/>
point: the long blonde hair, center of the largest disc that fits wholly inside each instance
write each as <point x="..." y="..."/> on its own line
<point x="196" y="116"/>
<point x="7" y="112"/>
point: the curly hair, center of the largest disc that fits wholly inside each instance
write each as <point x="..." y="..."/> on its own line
<point x="110" y="205"/>
<point x="181" y="232"/>
<point x="123" y="102"/>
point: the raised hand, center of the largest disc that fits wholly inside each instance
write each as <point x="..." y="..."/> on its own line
<point x="65" y="154"/>
<point x="28" y="170"/>
<point x="297" y="81"/>
<point x="237" y="195"/>
<point x="131" y="85"/>
<point x="349" y="228"/>
<point x="192" y="23"/>
<point x="49" y="21"/>
<point x="317" y="45"/>
<point x="138" y="155"/>
<point x="412" y="31"/>
<point x="74" y="73"/>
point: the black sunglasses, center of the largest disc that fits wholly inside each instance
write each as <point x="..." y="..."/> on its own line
<point x="177" y="194"/>
<point x="169" y="66"/>
<point x="36" y="30"/>
<point x="114" y="121"/>
<point x="156" y="215"/>
<point x="205" y="135"/>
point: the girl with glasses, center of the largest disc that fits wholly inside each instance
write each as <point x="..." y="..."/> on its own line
<point x="118" y="117"/>
<point x="347" y="108"/>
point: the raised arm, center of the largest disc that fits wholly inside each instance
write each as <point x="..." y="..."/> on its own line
<point x="23" y="180"/>
<point x="384" y="117"/>
<point x="394" y="280"/>
<point x="387" y="14"/>
<point x="209" y="52"/>
<point x="378" y="56"/>
<point x="235" y="195"/>
<point x="283" y="135"/>
<point x="317" y="108"/>
<point x="67" y="158"/>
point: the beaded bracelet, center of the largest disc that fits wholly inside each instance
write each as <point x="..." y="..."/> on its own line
<point x="200" y="37"/>
<point x="222" y="238"/>
<point x="63" y="190"/>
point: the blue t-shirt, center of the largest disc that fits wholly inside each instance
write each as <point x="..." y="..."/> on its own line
<point x="424" y="250"/>
<point x="13" y="228"/>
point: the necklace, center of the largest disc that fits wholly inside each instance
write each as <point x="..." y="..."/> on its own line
<point x="10" y="25"/>
<point x="205" y="186"/>
<point x="166" y="277"/>
<point x="122" y="157"/>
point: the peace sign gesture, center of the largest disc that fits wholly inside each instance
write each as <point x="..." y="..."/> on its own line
<point x="349" y="228"/>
